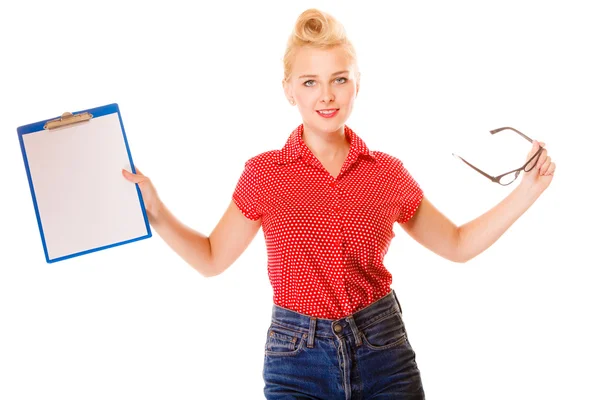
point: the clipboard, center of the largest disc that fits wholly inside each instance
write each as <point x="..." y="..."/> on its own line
<point x="82" y="202"/>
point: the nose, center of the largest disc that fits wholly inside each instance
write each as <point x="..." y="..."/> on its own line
<point x="327" y="95"/>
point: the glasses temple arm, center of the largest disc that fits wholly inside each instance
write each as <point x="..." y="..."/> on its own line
<point x="474" y="167"/>
<point x="512" y="129"/>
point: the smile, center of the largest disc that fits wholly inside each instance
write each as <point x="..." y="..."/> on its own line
<point x="328" y="113"/>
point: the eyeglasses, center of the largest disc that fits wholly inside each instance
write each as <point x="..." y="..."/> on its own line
<point x="509" y="177"/>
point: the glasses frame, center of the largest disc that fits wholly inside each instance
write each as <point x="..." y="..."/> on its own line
<point x="517" y="171"/>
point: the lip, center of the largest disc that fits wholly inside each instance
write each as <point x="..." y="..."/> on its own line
<point x="333" y="114"/>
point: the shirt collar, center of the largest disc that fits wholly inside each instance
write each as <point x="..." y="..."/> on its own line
<point x="295" y="147"/>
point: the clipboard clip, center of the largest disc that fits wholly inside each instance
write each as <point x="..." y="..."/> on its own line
<point x="68" y="119"/>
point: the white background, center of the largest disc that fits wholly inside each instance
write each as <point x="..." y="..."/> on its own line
<point x="199" y="87"/>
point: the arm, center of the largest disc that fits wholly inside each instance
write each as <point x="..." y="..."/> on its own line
<point x="435" y="231"/>
<point x="210" y="255"/>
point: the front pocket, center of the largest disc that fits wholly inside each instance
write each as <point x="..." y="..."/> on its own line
<point x="283" y="342"/>
<point x="385" y="333"/>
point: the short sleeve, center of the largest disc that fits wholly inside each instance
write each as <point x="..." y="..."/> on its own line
<point x="411" y="195"/>
<point x="246" y="191"/>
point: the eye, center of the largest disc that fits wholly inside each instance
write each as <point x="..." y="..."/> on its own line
<point x="344" y="80"/>
<point x="311" y="83"/>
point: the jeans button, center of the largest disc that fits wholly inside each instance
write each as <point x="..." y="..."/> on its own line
<point x="337" y="328"/>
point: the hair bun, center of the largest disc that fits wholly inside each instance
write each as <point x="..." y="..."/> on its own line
<point x="318" y="28"/>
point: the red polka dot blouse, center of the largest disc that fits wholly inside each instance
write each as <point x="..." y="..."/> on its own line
<point x="326" y="236"/>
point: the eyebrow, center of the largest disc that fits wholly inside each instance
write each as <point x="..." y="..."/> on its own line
<point x="315" y="76"/>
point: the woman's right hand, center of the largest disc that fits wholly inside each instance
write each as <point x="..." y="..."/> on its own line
<point x="149" y="194"/>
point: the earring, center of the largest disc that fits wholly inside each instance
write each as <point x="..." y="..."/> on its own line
<point x="292" y="102"/>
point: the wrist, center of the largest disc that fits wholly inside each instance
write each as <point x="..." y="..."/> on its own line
<point x="155" y="212"/>
<point x="529" y="191"/>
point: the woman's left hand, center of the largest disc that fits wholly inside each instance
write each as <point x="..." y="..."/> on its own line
<point x="541" y="175"/>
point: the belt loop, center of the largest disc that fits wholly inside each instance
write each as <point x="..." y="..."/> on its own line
<point x="352" y="324"/>
<point x="311" y="332"/>
<point x="397" y="301"/>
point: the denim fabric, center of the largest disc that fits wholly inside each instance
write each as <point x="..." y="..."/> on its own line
<point x="366" y="355"/>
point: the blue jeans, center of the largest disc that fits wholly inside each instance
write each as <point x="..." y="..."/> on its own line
<point x="365" y="355"/>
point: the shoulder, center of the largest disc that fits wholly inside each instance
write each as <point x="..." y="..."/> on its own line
<point x="264" y="158"/>
<point x="393" y="167"/>
<point x="387" y="160"/>
<point x="263" y="161"/>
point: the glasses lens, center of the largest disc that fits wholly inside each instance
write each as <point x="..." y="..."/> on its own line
<point x="509" y="178"/>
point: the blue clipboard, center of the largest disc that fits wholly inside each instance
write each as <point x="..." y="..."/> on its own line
<point x="82" y="202"/>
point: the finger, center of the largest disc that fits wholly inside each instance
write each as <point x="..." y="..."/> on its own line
<point x="544" y="167"/>
<point x="137" y="170"/>
<point x="551" y="169"/>
<point x="536" y="145"/>
<point x="534" y="148"/>
<point x="135" y="178"/>
<point x="542" y="160"/>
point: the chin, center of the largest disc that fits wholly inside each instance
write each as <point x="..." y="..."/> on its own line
<point x="332" y="124"/>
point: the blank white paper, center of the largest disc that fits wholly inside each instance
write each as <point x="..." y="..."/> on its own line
<point x="83" y="199"/>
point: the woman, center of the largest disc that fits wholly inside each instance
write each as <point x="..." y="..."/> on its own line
<point x="327" y="205"/>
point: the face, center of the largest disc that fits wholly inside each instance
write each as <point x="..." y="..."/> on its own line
<point x="324" y="84"/>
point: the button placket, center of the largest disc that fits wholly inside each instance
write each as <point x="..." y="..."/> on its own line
<point x="335" y="210"/>
<point x="338" y="226"/>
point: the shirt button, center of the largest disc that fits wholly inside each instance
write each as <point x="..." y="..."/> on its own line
<point x="332" y="184"/>
<point x="337" y="328"/>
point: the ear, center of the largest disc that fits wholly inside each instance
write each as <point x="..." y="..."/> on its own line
<point x="287" y="90"/>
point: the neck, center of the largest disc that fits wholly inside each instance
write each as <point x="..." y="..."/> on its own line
<point x="326" y="145"/>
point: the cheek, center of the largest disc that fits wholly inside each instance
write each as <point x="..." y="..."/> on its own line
<point x="307" y="100"/>
<point x="306" y="109"/>
<point x="347" y="97"/>
<point x="347" y="92"/>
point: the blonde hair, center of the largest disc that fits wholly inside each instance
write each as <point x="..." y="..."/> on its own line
<point x="316" y="29"/>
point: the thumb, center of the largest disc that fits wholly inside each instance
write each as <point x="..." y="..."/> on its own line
<point x="135" y="178"/>
<point x="137" y="171"/>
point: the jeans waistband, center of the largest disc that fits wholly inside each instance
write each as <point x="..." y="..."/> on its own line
<point x="346" y="326"/>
